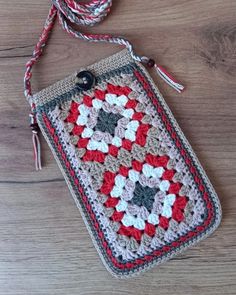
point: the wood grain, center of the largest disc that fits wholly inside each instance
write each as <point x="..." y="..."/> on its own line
<point x="44" y="245"/>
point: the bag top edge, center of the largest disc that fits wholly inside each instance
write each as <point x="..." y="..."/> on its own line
<point x="119" y="59"/>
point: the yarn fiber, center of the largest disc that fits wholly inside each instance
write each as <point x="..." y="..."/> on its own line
<point x="82" y="14"/>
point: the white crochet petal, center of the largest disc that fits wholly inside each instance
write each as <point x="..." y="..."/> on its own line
<point x="157" y="172"/>
<point x="87" y="133"/>
<point x="129" y="134"/>
<point x="133" y="175"/>
<point x="153" y="219"/>
<point x="170" y="199"/>
<point x="84" y="110"/>
<point x="116" y="141"/>
<point x="116" y="191"/>
<point x="111" y="98"/>
<point x="103" y="147"/>
<point x="147" y="170"/>
<point x="121" y="206"/>
<point x="164" y="185"/>
<point x="120" y="181"/>
<point x="128" y="113"/>
<point x="166" y="211"/>
<point x="97" y="103"/>
<point x="133" y="125"/>
<point x="128" y="220"/>
<point x="92" y="145"/>
<point x="82" y="120"/>
<point x="139" y="223"/>
<point x="122" y="100"/>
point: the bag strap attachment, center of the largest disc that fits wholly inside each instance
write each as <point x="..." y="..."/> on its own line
<point x="83" y="14"/>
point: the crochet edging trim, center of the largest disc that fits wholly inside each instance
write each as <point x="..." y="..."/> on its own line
<point x="193" y="158"/>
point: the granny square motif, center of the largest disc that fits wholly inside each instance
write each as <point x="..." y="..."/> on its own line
<point x="142" y="193"/>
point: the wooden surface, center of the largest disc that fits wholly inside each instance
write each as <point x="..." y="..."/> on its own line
<point x="44" y="245"/>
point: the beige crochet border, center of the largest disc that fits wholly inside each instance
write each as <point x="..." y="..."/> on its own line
<point x="113" y="62"/>
<point x="121" y="59"/>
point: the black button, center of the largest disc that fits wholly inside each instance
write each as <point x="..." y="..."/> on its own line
<point x="85" y="80"/>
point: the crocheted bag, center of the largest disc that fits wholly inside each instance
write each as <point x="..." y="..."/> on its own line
<point x="142" y="193"/>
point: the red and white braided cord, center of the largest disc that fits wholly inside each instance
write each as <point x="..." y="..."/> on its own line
<point x="85" y="14"/>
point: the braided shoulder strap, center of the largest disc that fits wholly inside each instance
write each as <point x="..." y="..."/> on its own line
<point x="81" y="14"/>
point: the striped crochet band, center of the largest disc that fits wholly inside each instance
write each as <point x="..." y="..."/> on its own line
<point x="82" y="14"/>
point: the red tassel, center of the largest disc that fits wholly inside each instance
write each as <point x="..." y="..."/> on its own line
<point x="168" y="78"/>
<point x="162" y="72"/>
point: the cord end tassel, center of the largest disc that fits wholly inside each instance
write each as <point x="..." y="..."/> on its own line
<point x="168" y="78"/>
<point x="36" y="142"/>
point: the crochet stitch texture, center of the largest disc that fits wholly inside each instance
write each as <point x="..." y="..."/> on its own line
<point x="141" y="190"/>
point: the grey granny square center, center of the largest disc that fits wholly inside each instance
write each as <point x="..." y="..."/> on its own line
<point x="107" y="122"/>
<point x="144" y="196"/>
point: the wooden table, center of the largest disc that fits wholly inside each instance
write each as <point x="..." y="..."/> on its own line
<point x="44" y="245"/>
